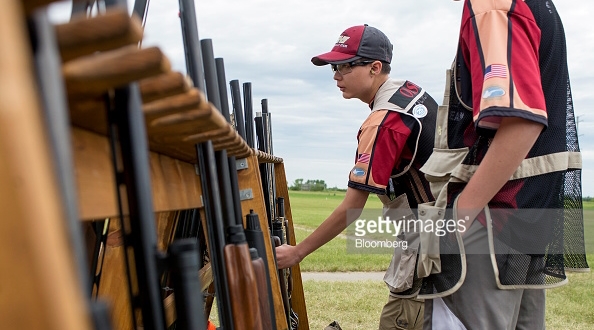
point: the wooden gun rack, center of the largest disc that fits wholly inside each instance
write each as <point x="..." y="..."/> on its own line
<point x="39" y="282"/>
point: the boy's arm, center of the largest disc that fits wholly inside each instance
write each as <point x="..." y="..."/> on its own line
<point x="288" y="255"/>
<point x="512" y="142"/>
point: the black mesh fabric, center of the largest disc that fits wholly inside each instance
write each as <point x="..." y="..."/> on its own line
<point x="573" y="227"/>
<point x="559" y="100"/>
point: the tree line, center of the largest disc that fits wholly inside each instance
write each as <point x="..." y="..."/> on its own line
<point x="309" y="185"/>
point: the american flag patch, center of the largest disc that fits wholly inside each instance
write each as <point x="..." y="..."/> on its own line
<point x="363" y="158"/>
<point x="496" y="71"/>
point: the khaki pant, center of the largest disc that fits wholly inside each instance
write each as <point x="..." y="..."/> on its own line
<point x="479" y="303"/>
<point x="402" y="314"/>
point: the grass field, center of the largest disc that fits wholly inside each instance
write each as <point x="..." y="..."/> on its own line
<point x="309" y="209"/>
<point x="357" y="305"/>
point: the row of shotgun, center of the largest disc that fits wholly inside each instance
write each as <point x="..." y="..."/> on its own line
<point x="236" y="250"/>
<point x="238" y="254"/>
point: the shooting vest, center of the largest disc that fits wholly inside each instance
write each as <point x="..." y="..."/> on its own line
<point x="416" y="106"/>
<point x="440" y="261"/>
<point x="407" y="188"/>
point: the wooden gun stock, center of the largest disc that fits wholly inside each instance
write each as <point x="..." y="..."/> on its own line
<point x="243" y="290"/>
<point x="255" y="238"/>
<point x="262" y="284"/>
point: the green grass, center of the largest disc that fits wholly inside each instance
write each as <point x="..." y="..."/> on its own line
<point x="309" y="209"/>
<point x="571" y="306"/>
<point x="357" y="305"/>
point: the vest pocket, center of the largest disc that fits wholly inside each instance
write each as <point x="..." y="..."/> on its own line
<point x="400" y="274"/>
<point x="429" y="260"/>
<point x="439" y="167"/>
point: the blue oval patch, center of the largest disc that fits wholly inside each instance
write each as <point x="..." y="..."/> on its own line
<point x="358" y="171"/>
<point x="492" y="92"/>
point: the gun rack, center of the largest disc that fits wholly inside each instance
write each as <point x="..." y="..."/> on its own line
<point x="45" y="257"/>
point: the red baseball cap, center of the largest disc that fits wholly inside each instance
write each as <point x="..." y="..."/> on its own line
<point x="357" y="42"/>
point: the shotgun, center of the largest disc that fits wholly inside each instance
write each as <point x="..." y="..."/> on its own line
<point x="279" y="223"/>
<point x="267" y="131"/>
<point x="192" y="52"/>
<point x="249" y="114"/>
<point x="128" y="136"/>
<point x="262" y="278"/>
<point x="264" y="173"/>
<point x="237" y="110"/>
<point x="241" y="279"/>
<point x="221" y="79"/>
<point x="55" y="110"/>
<point x="278" y="234"/>
<point x="283" y="223"/>
<point x="253" y="231"/>
<point x="210" y="189"/>
<point x="183" y="262"/>
<point x="263" y="133"/>
<point x="232" y="252"/>
<point x="255" y="239"/>
<point x="215" y="232"/>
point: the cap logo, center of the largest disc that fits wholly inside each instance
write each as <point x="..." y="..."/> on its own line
<point x="341" y="40"/>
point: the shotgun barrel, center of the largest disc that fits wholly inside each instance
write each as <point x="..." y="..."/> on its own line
<point x="222" y="81"/>
<point x="127" y="123"/>
<point x="192" y="50"/>
<point x="264" y="173"/>
<point x="241" y="280"/>
<point x="207" y="167"/>
<point x="249" y="114"/>
<point x="215" y="232"/>
<point x="237" y="109"/>
<point x="210" y="73"/>
<point x="183" y="265"/>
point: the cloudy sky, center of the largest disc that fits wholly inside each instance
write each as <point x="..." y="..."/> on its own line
<point x="270" y="44"/>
